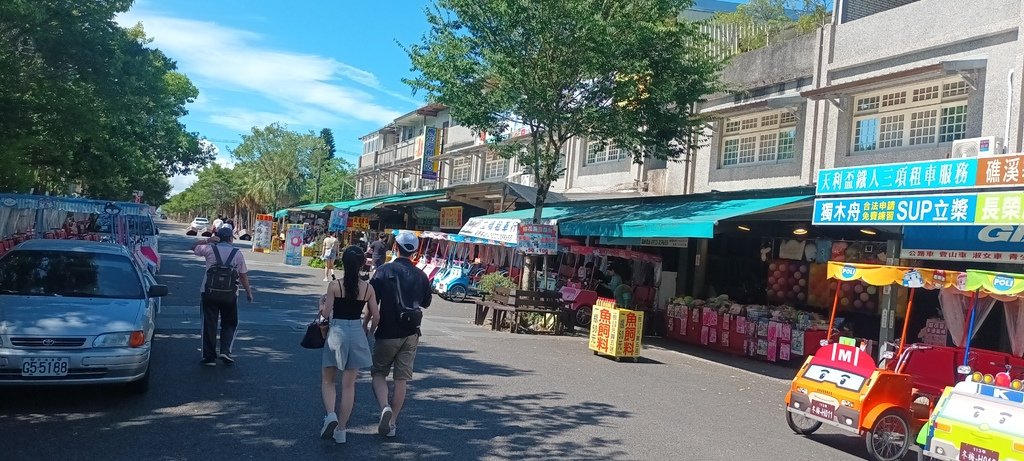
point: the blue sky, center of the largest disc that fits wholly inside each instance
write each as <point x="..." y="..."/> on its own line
<point x="307" y="64"/>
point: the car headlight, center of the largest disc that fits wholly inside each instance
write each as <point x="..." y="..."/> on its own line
<point x="122" y="339"/>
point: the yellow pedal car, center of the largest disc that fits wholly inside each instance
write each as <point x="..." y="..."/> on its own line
<point x="979" y="419"/>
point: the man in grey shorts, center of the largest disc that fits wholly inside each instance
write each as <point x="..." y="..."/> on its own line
<point x="395" y="346"/>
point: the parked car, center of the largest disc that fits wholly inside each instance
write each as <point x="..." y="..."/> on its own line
<point x="76" y="312"/>
<point x="198" y="226"/>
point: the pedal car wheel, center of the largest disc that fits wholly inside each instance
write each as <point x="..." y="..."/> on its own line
<point x="890" y="437"/>
<point x="457" y="293"/>
<point x="582" y="317"/>
<point x="801" y="424"/>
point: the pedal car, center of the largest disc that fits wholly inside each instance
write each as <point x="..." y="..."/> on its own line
<point x="979" y="419"/>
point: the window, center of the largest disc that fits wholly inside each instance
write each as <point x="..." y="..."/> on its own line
<point x="764" y="138"/>
<point x="383" y="187"/>
<point x="460" y="170"/>
<point x="367" y="189"/>
<point x="922" y="115"/>
<point x="495" y="167"/>
<point x="597" y="153"/>
<point x="922" y="127"/>
<point x="69" y="274"/>
<point x="405" y="183"/>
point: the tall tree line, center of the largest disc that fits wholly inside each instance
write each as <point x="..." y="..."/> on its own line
<point x="274" y="168"/>
<point x="88" y="106"/>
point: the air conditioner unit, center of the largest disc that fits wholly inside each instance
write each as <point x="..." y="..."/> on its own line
<point x="977" y="147"/>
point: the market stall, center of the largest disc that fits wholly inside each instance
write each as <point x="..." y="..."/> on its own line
<point x="580" y="287"/>
<point x="25" y="217"/>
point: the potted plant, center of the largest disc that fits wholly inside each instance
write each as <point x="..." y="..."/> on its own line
<point x="491" y="281"/>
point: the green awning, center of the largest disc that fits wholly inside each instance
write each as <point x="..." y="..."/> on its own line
<point x="281" y="213"/>
<point x="396" y="199"/>
<point x="333" y="205"/>
<point x="655" y="218"/>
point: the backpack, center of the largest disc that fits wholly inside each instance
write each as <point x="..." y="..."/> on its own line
<point x="409" y="317"/>
<point x="222" y="279"/>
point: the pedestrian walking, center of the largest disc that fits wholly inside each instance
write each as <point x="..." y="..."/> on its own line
<point x="225" y="269"/>
<point x="402" y="290"/>
<point x="217" y="223"/>
<point x="331" y="247"/>
<point x="351" y="304"/>
<point x="379" y="251"/>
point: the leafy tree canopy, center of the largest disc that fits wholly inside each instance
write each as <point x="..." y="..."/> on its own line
<point x="623" y="72"/>
<point x="88" y="105"/>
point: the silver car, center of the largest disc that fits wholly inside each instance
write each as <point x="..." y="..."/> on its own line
<point x="75" y="312"/>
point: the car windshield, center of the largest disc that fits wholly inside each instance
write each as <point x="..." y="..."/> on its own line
<point x="201" y="221"/>
<point x="64" y="273"/>
<point x="137" y="225"/>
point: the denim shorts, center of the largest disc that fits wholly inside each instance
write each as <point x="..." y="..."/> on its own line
<point x="347" y="347"/>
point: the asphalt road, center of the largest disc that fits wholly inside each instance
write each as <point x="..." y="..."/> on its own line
<point x="477" y="394"/>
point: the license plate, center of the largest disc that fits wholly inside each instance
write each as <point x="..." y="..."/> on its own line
<point x="44" y="367"/>
<point x="970" y="452"/>
<point x="822" y="410"/>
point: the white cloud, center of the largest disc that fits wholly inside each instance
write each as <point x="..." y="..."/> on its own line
<point x="181" y="182"/>
<point x="309" y="89"/>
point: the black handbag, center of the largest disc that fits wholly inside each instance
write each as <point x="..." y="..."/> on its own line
<point x="316" y="333"/>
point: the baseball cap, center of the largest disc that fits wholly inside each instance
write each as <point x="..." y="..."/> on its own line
<point x="407" y="241"/>
<point x="225" y="232"/>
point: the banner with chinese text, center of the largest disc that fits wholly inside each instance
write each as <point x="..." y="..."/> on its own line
<point x="359" y="222"/>
<point x="985" y="208"/>
<point x="616" y="332"/>
<point x="262" y="235"/>
<point x="339" y="219"/>
<point x="538" y="239"/>
<point x="293" y="245"/>
<point x="451" y="217"/>
<point x="962" y="173"/>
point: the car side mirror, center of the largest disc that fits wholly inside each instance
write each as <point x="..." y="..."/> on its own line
<point x="963" y="370"/>
<point x="156" y="231"/>
<point x="157" y="291"/>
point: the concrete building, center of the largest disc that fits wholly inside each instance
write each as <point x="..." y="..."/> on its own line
<point x="887" y="81"/>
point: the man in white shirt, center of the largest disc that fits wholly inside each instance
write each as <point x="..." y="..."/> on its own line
<point x="217" y="223"/>
<point x="217" y="250"/>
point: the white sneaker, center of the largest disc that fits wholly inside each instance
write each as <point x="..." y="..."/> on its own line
<point x="330" y="424"/>
<point x="391" y="433"/>
<point x="340" y="435"/>
<point x="384" y="427"/>
<point x="327" y="279"/>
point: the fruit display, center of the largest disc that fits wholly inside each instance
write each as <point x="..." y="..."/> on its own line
<point x="787" y="281"/>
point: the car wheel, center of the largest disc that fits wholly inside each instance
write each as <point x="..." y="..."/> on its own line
<point x="457" y="293"/>
<point x="889" y="439"/>
<point x="801" y="424"/>
<point x="139" y="386"/>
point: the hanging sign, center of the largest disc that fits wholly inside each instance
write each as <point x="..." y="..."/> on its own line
<point x="1003" y="243"/>
<point x="538" y="239"/>
<point x="451" y="217"/>
<point x="262" y="233"/>
<point x="359" y="222"/>
<point x="502" y="230"/>
<point x="963" y="173"/>
<point x="431" y="149"/>
<point x="681" y="242"/>
<point x="339" y="219"/>
<point x="991" y="208"/>
<point x="293" y="245"/>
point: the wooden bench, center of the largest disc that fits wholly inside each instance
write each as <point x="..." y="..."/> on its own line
<point x="511" y="304"/>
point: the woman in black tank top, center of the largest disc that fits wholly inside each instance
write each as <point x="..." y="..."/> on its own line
<point x="347" y="348"/>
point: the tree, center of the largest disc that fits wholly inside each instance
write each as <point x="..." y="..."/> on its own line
<point x="770" y="18"/>
<point x="628" y="73"/>
<point x="275" y="164"/>
<point x="337" y="183"/>
<point x="325" y="156"/>
<point x="87" y="105"/>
